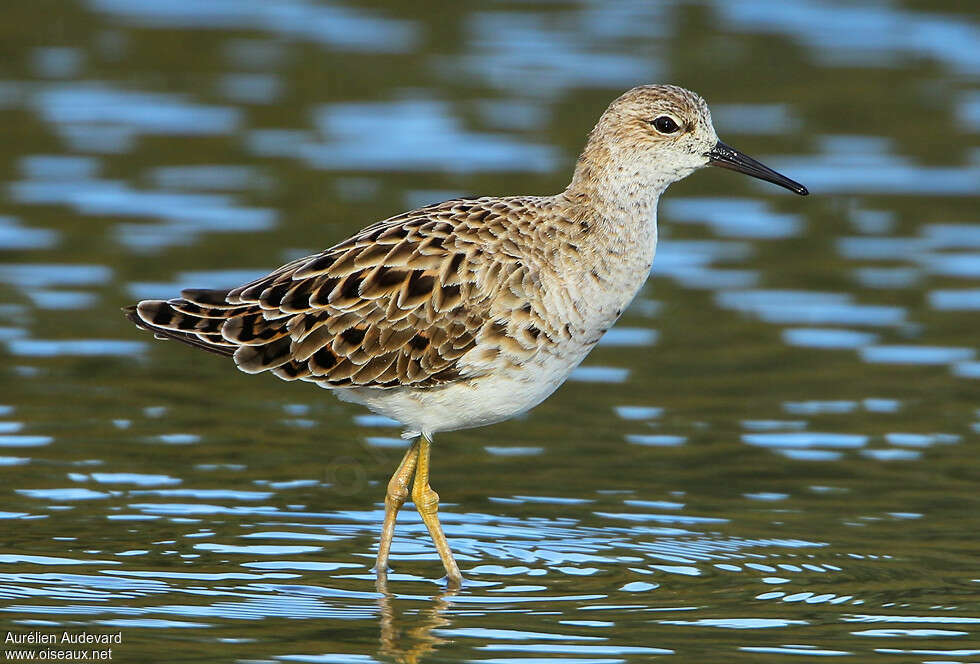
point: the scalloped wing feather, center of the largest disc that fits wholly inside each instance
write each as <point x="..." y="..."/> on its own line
<point x="422" y="299"/>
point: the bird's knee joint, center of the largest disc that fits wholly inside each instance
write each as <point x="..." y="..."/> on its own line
<point x="426" y="500"/>
<point x="397" y="490"/>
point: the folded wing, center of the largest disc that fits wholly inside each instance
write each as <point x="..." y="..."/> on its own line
<point x="400" y="303"/>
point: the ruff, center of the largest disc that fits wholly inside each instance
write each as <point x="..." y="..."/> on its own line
<point x="466" y="312"/>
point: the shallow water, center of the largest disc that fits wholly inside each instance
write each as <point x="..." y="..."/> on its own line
<point x="771" y="458"/>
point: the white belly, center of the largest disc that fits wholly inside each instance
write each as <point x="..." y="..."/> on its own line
<point x="468" y="403"/>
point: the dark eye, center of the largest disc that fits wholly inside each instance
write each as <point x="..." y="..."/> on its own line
<point x="665" y="124"/>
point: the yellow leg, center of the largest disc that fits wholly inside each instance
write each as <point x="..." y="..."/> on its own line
<point x="394" y="499"/>
<point x="427" y="503"/>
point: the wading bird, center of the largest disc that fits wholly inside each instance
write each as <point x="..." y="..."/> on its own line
<point x="471" y="311"/>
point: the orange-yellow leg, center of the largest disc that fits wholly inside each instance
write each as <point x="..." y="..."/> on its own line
<point x="394" y="499"/>
<point x="427" y="503"/>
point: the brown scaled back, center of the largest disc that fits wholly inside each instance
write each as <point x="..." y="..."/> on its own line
<point x="399" y="303"/>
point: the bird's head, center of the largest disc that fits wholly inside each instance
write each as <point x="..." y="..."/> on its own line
<point x="662" y="133"/>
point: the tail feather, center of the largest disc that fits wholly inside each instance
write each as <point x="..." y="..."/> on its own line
<point x="207" y="297"/>
<point x="185" y="306"/>
<point x="160" y="318"/>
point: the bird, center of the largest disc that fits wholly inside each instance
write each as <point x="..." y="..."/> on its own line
<point x="471" y="311"/>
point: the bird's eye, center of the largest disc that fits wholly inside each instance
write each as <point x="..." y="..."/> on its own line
<point x="665" y="124"/>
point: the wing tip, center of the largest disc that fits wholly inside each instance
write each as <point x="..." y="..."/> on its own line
<point x="145" y="315"/>
<point x="207" y="297"/>
<point x="132" y="314"/>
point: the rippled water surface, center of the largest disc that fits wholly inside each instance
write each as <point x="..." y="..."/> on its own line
<point x="773" y="457"/>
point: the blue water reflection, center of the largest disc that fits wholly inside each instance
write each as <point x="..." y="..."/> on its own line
<point x="13" y="235"/>
<point x="810" y="337"/>
<point x="869" y="34"/>
<point x="332" y="25"/>
<point x="733" y="217"/>
<point x="414" y="135"/>
<point x="815" y="308"/>
<point x="509" y="46"/>
<point x="76" y="347"/>
<point x="917" y="354"/>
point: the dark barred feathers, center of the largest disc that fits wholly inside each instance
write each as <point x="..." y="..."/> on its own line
<point x="398" y="304"/>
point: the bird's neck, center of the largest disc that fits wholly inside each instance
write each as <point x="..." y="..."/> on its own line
<point x="616" y="195"/>
<point x="616" y="183"/>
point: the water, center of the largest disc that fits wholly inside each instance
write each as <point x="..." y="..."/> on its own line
<point x="771" y="458"/>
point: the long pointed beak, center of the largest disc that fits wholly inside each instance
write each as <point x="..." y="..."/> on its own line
<point x="728" y="157"/>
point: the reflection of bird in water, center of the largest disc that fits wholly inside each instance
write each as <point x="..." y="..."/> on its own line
<point x="407" y="638"/>
<point x="467" y="312"/>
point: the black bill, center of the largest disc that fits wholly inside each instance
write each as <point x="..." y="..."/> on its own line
<point x="728" y="157"/>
